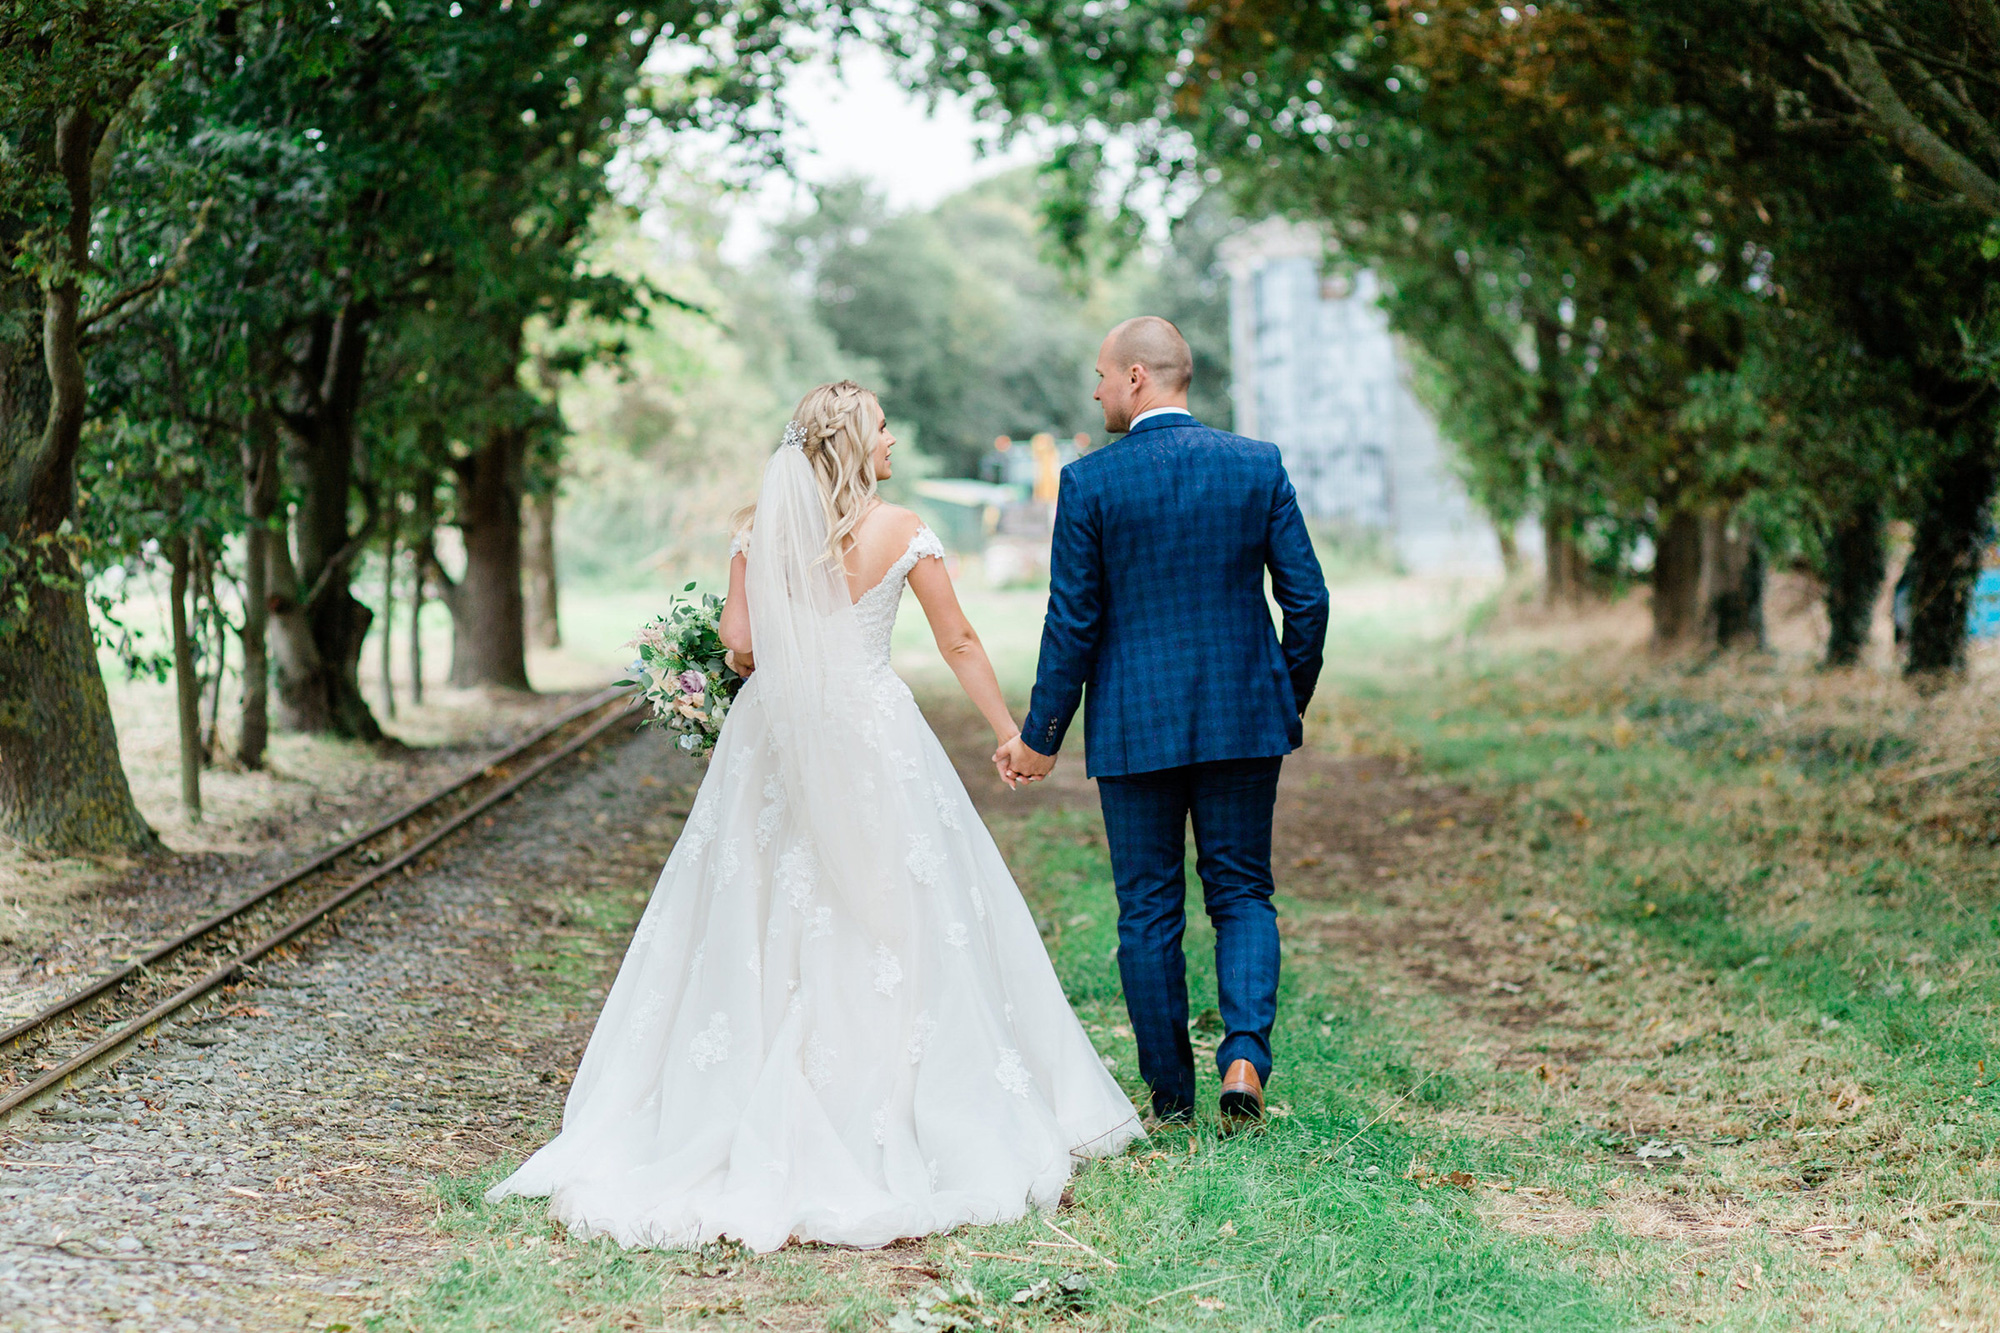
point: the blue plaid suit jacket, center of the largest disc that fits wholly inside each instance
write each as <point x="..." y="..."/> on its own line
<point x="1156" y="603"/>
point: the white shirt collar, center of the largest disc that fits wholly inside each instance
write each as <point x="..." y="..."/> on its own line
<point x="1158" y="412"/>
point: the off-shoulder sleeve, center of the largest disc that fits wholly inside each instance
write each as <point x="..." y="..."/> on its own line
<point x="739" y="544"/>
<point x="926" y="543"/>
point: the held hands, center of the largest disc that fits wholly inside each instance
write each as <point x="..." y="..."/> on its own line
<point x="1019" y="765"/>
<point x="741" y="663"/>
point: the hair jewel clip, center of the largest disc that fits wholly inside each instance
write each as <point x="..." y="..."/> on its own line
<point x="795" y="436"/>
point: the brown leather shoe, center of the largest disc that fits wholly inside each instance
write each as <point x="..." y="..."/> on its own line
<point x="1242" y="1092"/>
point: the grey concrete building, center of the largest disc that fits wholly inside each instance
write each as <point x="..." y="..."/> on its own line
<point x="1317" y="372"/>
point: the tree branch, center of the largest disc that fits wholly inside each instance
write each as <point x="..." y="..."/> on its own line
<point x="1899" y="47"/>
<point x="1961" y="109"/>
<point x="351" y="548"/>
<point x="1876" y="94"/>
<point x="1981" y="21"/>
<point x="1958" y="106"/>
<point x="159" y="280"/>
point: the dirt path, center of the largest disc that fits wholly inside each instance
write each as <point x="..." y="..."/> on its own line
<point x="1388" y="882"/>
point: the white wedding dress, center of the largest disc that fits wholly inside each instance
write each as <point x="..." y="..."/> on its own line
<point x="836" y="1020"/>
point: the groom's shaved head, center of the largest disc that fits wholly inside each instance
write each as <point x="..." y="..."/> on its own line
<point x="1157" y="345"/>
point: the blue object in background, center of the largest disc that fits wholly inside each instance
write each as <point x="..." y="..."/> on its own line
<point x="1983" y="622"/>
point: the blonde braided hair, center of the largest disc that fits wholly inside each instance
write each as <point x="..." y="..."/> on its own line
<point x="835" y="425"/>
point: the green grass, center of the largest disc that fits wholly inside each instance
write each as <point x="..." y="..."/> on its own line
<point x="1333" y="1214"/>
<point x="1754" y="935"/>
<point x="1826" y="926"/>
<point x="1337" y="1213"/>
<point x="1718" y="837"/>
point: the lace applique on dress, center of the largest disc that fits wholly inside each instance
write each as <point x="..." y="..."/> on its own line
<point x="646" y="1015"/>
<point x="1010" y="1072"/>
<point x="921" y="1033"/>
<point x="819" y="1062"/>
<point x="876" y="608"/>
<point x="798" y="877"/>
<point x="711" y="1047"/>
<point x="978" y="900"/>
<point x="773" y="811"/>
<point x="955" y="936"/>
<point x="925" y="861"/>
<point x="888" y="970"/>
<point x="890" y="691"/>
<point x="699" y="830"/>
<point x="728" y="861"/>
<point x="947" y="808"/>
<point x="879" y="1124"/>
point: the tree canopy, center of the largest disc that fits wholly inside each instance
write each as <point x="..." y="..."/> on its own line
<point x="1710" y="279"/>
<point x="268" y="275"/>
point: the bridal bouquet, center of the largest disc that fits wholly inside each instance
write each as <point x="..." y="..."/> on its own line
<point x="680" y="671"/>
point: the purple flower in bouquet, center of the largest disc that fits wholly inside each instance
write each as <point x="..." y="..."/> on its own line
<point x="682" y="672"/>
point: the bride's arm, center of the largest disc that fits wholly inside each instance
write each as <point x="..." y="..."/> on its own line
<point x="734" y="628"/>
<point x="961" y="647"/>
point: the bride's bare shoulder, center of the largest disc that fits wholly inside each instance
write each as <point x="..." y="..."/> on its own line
<point x="890" y="524"/>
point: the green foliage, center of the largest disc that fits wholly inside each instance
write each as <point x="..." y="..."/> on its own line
<point x="1645" y="261"/>
<point x="976" y="332"/>
<point x="366" y="223"/>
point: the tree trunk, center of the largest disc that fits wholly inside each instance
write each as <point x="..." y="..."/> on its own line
<point x="1856" y="562"/>
<point x="423" y="557"/>
<point x="1677" y="582"/>
<point x="1565" y="576"/>
<point x="322" y="629"/>
<point x="296" y="669"/>
<point x="1732" y="583"/>
<point x="544" y="629"/>
<point x="260" y="503"/>
<point x="389" y="612"/>
<point x="488" y="642"/>
<point x="1708" y="583"/>
<point x="1564" y="573"/>
<point x="1952" y="533"/>
<point x="61" y="784"/>
<point x="211" y="637"/>
<point x="187" y="690"/>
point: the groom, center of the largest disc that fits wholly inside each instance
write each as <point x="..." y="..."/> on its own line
<point x="1156" y="604"/>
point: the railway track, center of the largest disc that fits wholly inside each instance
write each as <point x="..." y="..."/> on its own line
<point x="42" y="1055"/>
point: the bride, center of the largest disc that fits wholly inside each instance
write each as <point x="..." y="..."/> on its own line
<point x="836" y="1021"/>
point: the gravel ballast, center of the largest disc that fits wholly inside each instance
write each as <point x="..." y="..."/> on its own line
<point x="269" y="1163"/>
